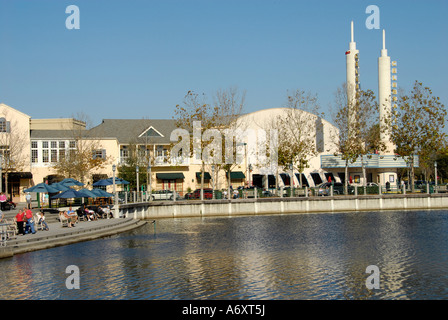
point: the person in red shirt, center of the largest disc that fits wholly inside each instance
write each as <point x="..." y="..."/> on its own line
<point x="29" y="227"/>
<point x="20" y="218"/>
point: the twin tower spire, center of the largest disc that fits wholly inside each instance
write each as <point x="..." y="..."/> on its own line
<point x="385" y="92"/>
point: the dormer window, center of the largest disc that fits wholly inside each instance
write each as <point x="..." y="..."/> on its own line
<point x="151" y="132"/>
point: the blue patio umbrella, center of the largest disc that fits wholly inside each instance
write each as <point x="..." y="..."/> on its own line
<point x="42" y="188"/>
<point x="90" y="193"/>
<point x="118" y="181"/>
<point x="71" y="193"/>
<point x="109" y="182"/>
<point x="60" y="186"/>
<point x="102" y="182"/>
<point x="102" y="193"/>
<point x="71" y="182"/>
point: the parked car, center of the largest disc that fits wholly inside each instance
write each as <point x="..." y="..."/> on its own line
<point x="208" y="193"/>
<point x="164" y="195"/>
<point x="324" y="189"/>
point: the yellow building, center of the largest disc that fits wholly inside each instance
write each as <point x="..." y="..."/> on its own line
<point x="40" y="144"/>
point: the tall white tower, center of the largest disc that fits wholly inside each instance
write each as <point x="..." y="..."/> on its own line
<point x="384" y="95"/>
<point x="352" y="65"/>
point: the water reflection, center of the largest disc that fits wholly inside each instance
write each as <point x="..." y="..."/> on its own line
<point x="303" y="256"/>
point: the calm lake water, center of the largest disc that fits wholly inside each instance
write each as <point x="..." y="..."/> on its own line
<point x="302" y="256"/>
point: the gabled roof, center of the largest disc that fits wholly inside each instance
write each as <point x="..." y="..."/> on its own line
<point x="2" y="105"/>
<point x="151" y="132"/>
<point x="132" y="130"/>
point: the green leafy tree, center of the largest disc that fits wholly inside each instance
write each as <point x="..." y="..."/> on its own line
<point x="418" y="119"/>
<point x="359" y="132"/>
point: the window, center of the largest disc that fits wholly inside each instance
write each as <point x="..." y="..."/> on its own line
<point x="45" y="155"/>
<point x="72" y="144"/>
<point x="4" y="125"/>
<point x="45" y="144"/>
<point x="161" y="152"/>
<point x="99" y="154"/>
<point x="54" y="155"/>
<point x="124" y="152"/>
<point x="34" y="155"/>
<point x="61" y="144"/>
<point x="54" y="144"/>
<point x="34" y="152"/>
<point x="4" y="151"/>
<point x="61" y="154"/>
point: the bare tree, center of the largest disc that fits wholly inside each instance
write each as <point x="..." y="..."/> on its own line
<point x="84" y="155"/>
<point x="213" y="118"/>
<point x="297" y="131"/>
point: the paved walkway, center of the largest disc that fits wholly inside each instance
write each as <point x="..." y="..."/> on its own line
<point x="58" y="235"/>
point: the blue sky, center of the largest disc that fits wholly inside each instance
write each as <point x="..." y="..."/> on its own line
<point x="137" y="59"/>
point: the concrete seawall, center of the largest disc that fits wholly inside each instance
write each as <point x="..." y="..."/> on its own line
<point x="192" y="208"/>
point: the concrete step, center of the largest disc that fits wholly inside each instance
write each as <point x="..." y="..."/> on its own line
<point x="59" y="235"/>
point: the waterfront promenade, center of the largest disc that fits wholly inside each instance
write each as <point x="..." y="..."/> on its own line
<point x="58" y="235"/>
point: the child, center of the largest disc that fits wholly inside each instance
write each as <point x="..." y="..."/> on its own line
<point x="41" y="219"/>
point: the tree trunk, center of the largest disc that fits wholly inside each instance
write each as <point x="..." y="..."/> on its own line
<point x="228" y="185"/>
<point x="363" y="174"/>
<point x="202" y="181"/>
<point x="412" y="174"/>
<point x="6" y="185"/>
<point x="346" y="178"/>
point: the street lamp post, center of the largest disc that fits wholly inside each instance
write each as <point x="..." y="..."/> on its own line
<point x="149" y="181"/>
<point x="1" y="178"/>
<point x="291" y="167"/>
<point x="1" y="174"/>
<point x="435" y="175"/>
<point x="114" y="167"/>
<point x="138" y="186"/>
<point x="250" y="170"/>
<point x="213" y="180"/>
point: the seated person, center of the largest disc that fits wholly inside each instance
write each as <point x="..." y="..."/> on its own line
<point x="80" y="212"/>
<point x="41" y="219"/>
<point x="72" y="215"/>
<point x="63" y="216"/>
<point x="101" y="213"/>
<point x="90" y="214"/>
<point x="107" y="211"/>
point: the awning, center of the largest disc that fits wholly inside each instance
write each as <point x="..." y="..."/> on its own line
<point x="304" y="180"/>
<point x="20" y="175"/>
<point x="285" y="178"/>
<point x="170" y="176"/>
<point x="206" y="176"/>
<point x="237" y="175"/>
